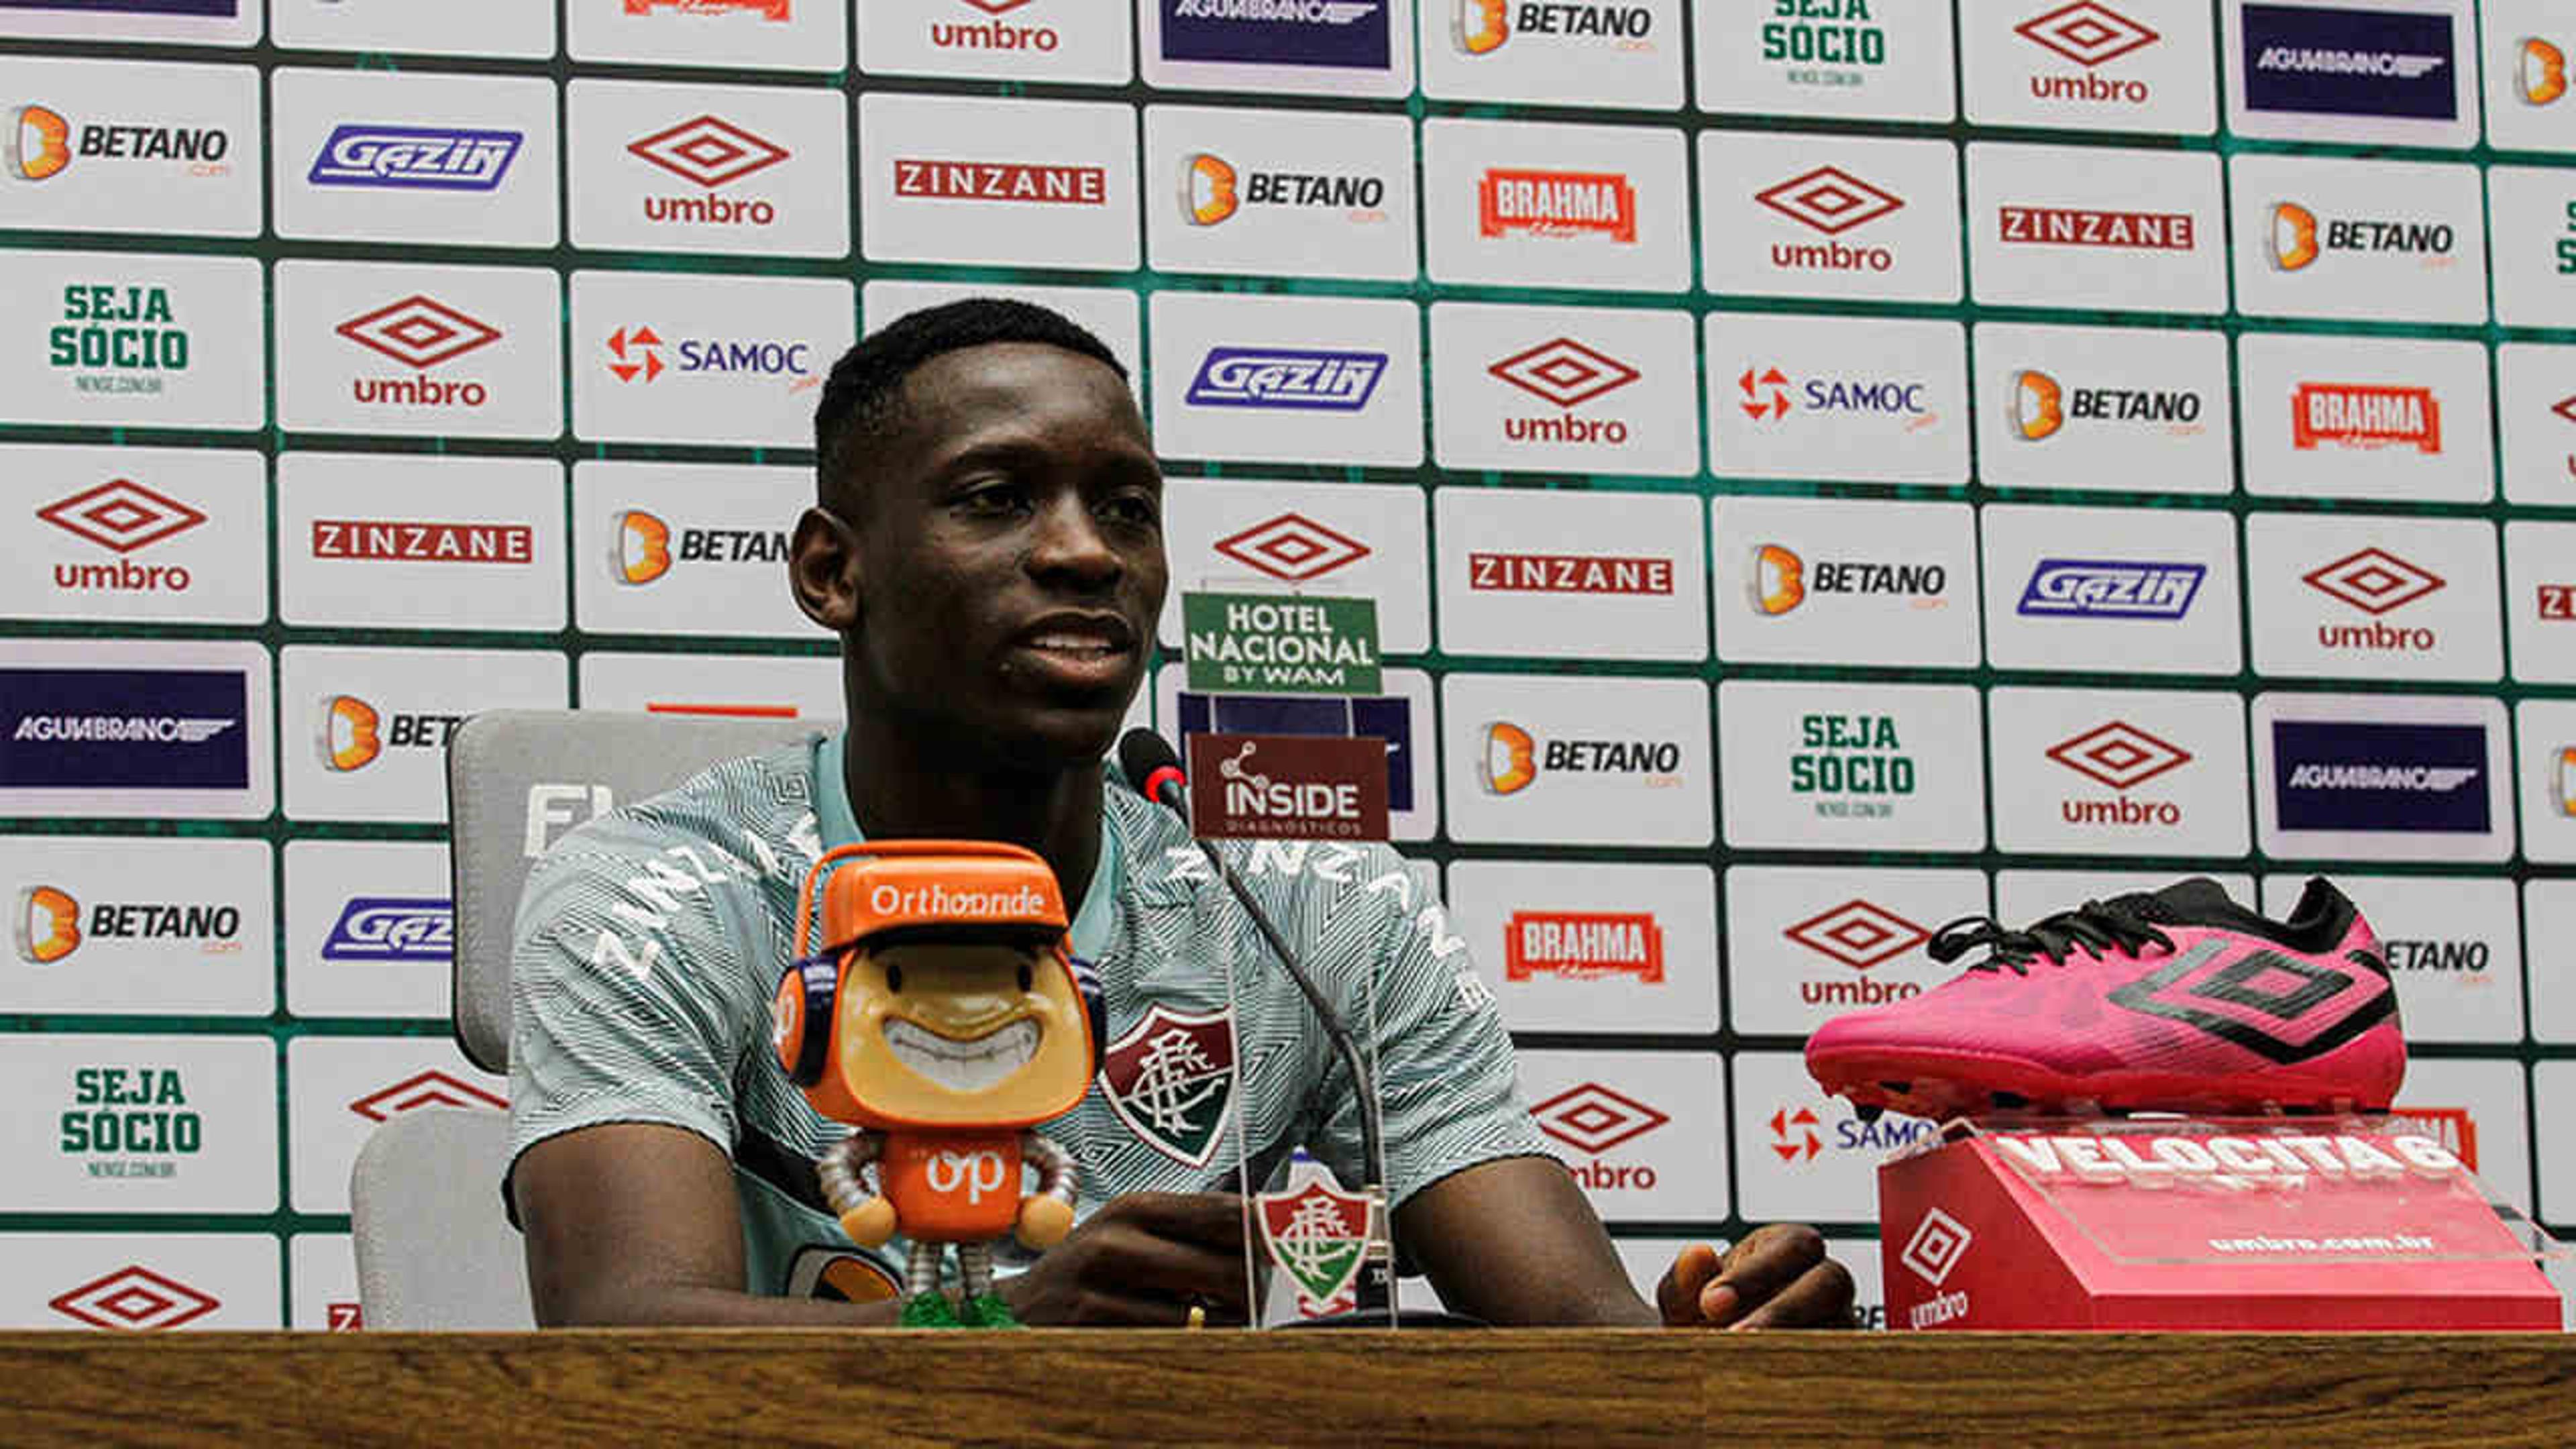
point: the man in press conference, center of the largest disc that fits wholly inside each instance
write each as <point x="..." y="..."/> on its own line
<point x="987" y="545"/>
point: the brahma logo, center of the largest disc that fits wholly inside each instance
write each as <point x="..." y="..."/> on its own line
<point x="1286" y="377"/>
<point x="121" y="516"/>
<point x="420" y="333"/>
<point x="2088" y="588"/>
<point x="393" y="928"/>
<point x="1563" y="573"/>
<point x="1293" y="548"/>
<point x="1513" y="759"/>
<point x="778" y="10"/>
<point x="1782" y="578"/>
<point x="710" y="152"/>
<point x="1568" y="374"/>
<point x="1051" y="184"/>
<point x="642" y="547"/>
<point x="2165" y="231"/>
<point x="1583" y="945"/>
<point x="993" y="34"/>
<point x="1779" y="580"/>
<point x="1516" y="202"/>
<point x="2122" y="756"/>
<point x="2039" y="407"/>
<point x="2376" y="582"/>
<point x="2091" y="35"/>
<point x="2299" y="238"/>
<point x="1212" y="191"/>
<point x="1592" y="1119"/>
<point x="379" y="540"/>
<point x="1833" y="201"/>
<point x="416" y="158"/>
<point x="42" y="143"/>
<point x="1858" y="935"/>
<point x="432" y="1088"/>
<point x="46" y="925"/>
<point x="635" y="354"/>
<point x="2539" y="72"/>
<point x="133" y="1299"/>
<point x="2365" y="415"/>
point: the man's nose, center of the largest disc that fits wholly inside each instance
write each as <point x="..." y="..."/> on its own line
<point x="1070" y="543"/>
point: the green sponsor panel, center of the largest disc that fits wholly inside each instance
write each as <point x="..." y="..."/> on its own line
<point x="1274" y="644"/>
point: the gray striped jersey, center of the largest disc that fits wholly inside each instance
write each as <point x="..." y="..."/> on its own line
<point x="649" y="941"/>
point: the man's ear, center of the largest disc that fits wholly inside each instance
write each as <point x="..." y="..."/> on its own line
<point x="823" y="570"/>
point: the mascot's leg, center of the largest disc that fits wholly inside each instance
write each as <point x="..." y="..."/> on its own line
<point x="981" y="1306"/>
<point x="924" y="1306"/>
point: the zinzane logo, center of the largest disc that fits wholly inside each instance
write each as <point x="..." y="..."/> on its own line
<point x="2167" y="231"/>
<point x="1051" y="185"/>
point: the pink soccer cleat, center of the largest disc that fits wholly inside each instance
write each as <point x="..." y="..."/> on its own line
<point x="2178" y="1001"/>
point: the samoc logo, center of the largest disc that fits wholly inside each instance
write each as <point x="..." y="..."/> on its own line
<point x="46" y="925"/>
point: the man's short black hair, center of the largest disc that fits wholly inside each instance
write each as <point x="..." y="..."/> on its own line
<point x="863" y="398"/>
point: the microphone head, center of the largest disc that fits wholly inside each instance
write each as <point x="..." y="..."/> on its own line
<point x="1141" y="755"/>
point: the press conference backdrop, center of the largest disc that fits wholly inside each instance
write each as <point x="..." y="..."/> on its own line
<point x="1779" y="474"/>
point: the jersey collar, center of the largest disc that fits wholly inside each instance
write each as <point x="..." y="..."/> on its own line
<point x="839" y="825"/>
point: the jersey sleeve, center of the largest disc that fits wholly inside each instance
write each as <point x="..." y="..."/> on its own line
<point x="626" y="994"/>
<point x="1448" y="1086"/>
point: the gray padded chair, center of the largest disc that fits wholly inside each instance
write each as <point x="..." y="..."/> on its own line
<point x="434" y="1248"/>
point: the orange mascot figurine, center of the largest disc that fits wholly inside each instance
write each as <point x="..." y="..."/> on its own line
<point x="944" y="1019"/>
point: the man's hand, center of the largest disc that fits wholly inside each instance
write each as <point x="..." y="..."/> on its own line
<point x="1140" y="1262"/>
<point x="1777" y="1277"/>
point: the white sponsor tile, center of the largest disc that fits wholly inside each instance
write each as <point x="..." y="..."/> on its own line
<point x="2137" y="65"/>
<point x="2063" y="226"/>
<point x="1347" y="540"/>
<point x="151" y="341"/>
<point x="736" y="686"/>
<point x="452" y="27"/>
<point x="202" y="749"/>
<point x="1557" y="575"/>
<point x="2532" y="210"/>
<point x="1112" y="314"/>
<point x="1545" y="760"/>
<point x="960" y="179"/>
<point x="1806" y="944"/>
<point x="1606" y="948"/>
<point x="174" y="535"/>
<point x="690" y="359"/>
<point x="339" y="1089"/>
<point x="687" y="548"/>
<point x="1852" y="398"/>
<point x="324" y="1271"/>
<point x="366" y="730"/>
<point x="1891" y="63"/>
<point x="2344" y="417"/>
<point x="473" y="543"/>
<point x="376" y="155"/>
<point x="439" y="351"/>
<point x="1583" y="389"/>
<point x="1287" y="379"/>
<point x="2382" y="777"/>
<point x="736" y="34"/>
<point x="140" y="1282"/>
<point x="2025" y="896"/>
<point x="694" y="168"/>
<point x="2371" y="107"/>
<point x="1403" y="704"/>
<point x="1643" y="1132"/>
<point x="1828" y="216"/>
<point x="2536" y="413"/>
<point x="2530" y="88"/>
<point x="1279" y="193"/>
<point x="148" y="925"/>
<point x="2086" y="408"/>
<point x="2361" y="597"/>
<point x="138" y="1124"/>
<point x="369" y="928"/>
<point x="2553" y="1086"/>
<point x="2549" y="916"/>
<point x="2147" y="590"/>
<point x="2546" y="729"/>
<point x="2369" y="240"/>
<point x="2540" y="600"/>
<point x="2453" y="946"/>
<point x="1520" y="203"/>
<point x="1355" y="48"/>
<point x="2492" y="1092"/>
<point x="1851" y="766"/>
<point x="1802" y="1156"/>
<point x="1833" y="581"/>
<point x="1625" y="53"/>
<point x="2118" y="772"/>
<point x="112" y="146"/>
<point x="1079" y="41"/>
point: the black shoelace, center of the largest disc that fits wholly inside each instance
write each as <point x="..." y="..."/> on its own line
<point x="2092" y="926"/>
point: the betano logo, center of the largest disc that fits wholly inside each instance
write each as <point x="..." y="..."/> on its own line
<point x="642" y="547"/>
<point x="46" y="925"/>
<point x="1212" y="191"/>
<point x="39" y="143"/>
<point x="1292" y="547"/>
<point x="1779" y="580"/>
<point x="1512" y="201"/>
<point x="1510" y="759"/>
<point x="639" y="547"/>
<point x="2540" y="72"/>
<point x="1479" y="27"/>
<point x="2366" y="416"/>
<point x="1207" y="189"/>
<point x="1584" y="945"/>
<point x="1513" y="759"/>
<point x="2299" y="237"/>
<point x="1832" y="201"/>
<point x="42" y="142"/>
<point x="2038" y="406"/>
<point x="349" y="739"/>
<point x="1782" y="579"/>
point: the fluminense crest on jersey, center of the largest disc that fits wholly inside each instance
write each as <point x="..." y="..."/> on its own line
<point x="1171" y="1080"/>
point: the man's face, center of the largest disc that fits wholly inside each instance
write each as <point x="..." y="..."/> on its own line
<point x="1011" y="564"/>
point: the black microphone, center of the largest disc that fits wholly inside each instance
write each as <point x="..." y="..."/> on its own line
<point x="1147" y="761"/>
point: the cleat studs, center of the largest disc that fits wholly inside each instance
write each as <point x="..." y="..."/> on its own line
<point x="1869" y="1112"/>
<point x="2011" y="1102"/>
<point x="1899" y="1088"/>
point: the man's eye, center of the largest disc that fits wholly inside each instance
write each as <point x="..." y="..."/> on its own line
<point x="994" y="501"/>
<point x="1134" y="508"/>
